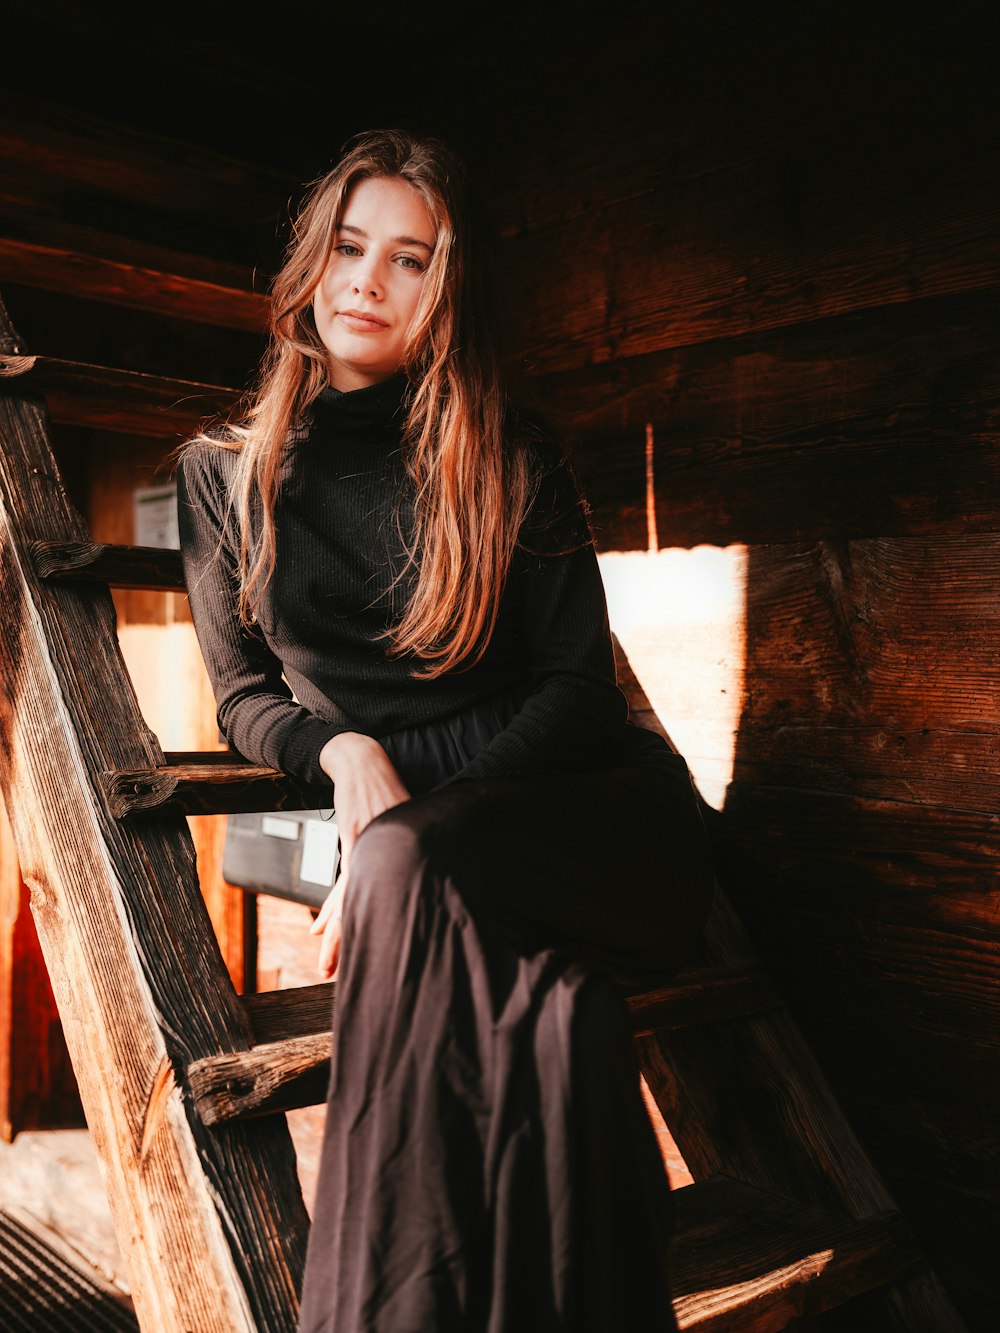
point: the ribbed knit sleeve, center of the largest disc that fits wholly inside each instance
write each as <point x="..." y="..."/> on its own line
<point x="575" y="710"/>
<point x="256" y="710"/>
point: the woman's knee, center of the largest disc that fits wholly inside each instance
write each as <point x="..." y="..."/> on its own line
<point x="394" y="859"/>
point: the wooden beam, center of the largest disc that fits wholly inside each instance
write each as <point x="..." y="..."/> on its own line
<point x="208" y="785"/>
<point x="746" y="1261"/>
<point x="56" y="163"/>
<point x="299" y="1011"/>
<point x="151" y="567"/>
<point x="212" y="1225"/>
<point x="704" y="995"/>
<point x="276" y="1076"/>
<point x="830" y="429"/>
<point x="79" y="394"/>
<point x="80" y="261"/>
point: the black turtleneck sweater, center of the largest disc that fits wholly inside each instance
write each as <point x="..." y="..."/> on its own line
<point x="319" y="627"/>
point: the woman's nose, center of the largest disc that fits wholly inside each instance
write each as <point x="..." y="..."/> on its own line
<point x="368" y="282"/>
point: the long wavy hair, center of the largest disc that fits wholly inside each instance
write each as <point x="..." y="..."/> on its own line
<point x="472" y="478"/>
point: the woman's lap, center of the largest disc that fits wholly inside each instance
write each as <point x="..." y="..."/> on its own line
<point x="488" y="1163"/>
<point x="612" y="864"/>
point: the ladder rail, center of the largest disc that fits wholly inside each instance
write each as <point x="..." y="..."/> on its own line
<point x="211" y="1222"/>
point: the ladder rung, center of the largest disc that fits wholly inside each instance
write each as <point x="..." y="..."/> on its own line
<point x="744" y="1259"/>
<point x="121" y="400"/>
<point x="275" y="1076"/>
<point x="299" y="1011"/>
<point x="293" y="1028"/>
<point x="213" y="783"/>
<point x="153" y="567"/>
<point x="704" y="995"/>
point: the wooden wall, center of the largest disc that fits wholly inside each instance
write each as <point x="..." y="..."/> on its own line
<point x="773" y="232"/>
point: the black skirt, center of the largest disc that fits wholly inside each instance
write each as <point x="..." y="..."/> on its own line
<point x="488" y="1163"/>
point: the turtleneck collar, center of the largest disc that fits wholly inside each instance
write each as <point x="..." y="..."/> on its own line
<point x="375" y="403"/>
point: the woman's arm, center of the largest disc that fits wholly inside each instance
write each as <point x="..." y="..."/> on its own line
<point x="256" y="711"/>
<point x="575" y="711"/>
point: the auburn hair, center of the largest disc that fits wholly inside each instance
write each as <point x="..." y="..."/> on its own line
<point x="472" y="477"/>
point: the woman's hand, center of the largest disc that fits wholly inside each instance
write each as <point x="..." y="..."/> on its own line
<point x="327" y="924"/>
<point x="365" y="784"/>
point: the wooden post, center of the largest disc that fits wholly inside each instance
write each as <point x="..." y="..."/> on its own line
<point x="211" y="1222"/>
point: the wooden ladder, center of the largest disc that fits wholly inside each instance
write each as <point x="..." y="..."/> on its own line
<point x="182" y="1080"/>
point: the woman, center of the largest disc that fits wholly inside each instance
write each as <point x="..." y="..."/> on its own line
<point x="390" y="540"/>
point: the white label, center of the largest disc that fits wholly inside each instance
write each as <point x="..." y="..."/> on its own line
<point x="156" y="516"/>
<point x="280" y="828"/>
<point x="319" y="853"/>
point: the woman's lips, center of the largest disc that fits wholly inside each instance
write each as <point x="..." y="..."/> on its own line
<point x="360" y="322"/>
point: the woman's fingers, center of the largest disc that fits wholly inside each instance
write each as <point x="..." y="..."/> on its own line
<point x="323" y="916"/>
<point x="329" y="946"/>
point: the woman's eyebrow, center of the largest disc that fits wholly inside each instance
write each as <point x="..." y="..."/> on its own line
<point x="396" y="240"/>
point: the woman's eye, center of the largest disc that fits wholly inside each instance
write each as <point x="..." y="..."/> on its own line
<point x="346" y="248"/>
<point x="408" y="261"/>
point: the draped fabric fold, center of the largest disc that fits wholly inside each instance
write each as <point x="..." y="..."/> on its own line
<point x="488" y="1161"/>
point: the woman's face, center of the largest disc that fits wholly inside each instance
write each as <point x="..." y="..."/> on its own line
<point x="370" y="289"/>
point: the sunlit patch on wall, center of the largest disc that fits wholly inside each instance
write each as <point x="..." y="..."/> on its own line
<point x="680" y="616"/>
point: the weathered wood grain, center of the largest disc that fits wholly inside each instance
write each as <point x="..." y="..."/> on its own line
<point x="151" y="567"/>
<point x="211" y="787"/>
<point x="300" y="1011"/>
<point x="872" y="670"/>
<point x="745" y="1261"/>
<point x="276" y="1076"/>
<point x="713" y="186"/>
<point x="894" y="906"/>
<point x="703" y="995"/>
<point x="212" y="1225"/>
<point x="119" y="400"/>
<point x="747" y="1098"/>
<point x="80" y="261"/>
<point x="76" y="166"/>
<point x="43" y="1286"/>
<point x="875" y="423"/>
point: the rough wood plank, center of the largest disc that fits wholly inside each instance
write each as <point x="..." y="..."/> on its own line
<point x="208" y="788"/>
<point x="895" y="905"/>
<point x="746" y="1098"/>
<point x="276" y="1076"/>
<point x="830" y="428"/>
<point x="874" y="670"/>
<point x="162" y="655"/>
<point x="120" y="400"/>
<point x="72" y="164"/>
<point x="80" y="261"/>
<point x="41" y="1288"/>
<point x="744" y="1261"/>
<point x="299" y="1011"/>
<point x="703" y="995"/>
<point x="741" y="197"/>
<point x="664" y="286"/>
<point x="151" y="567"/>
<point x="212" y="1225"/>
